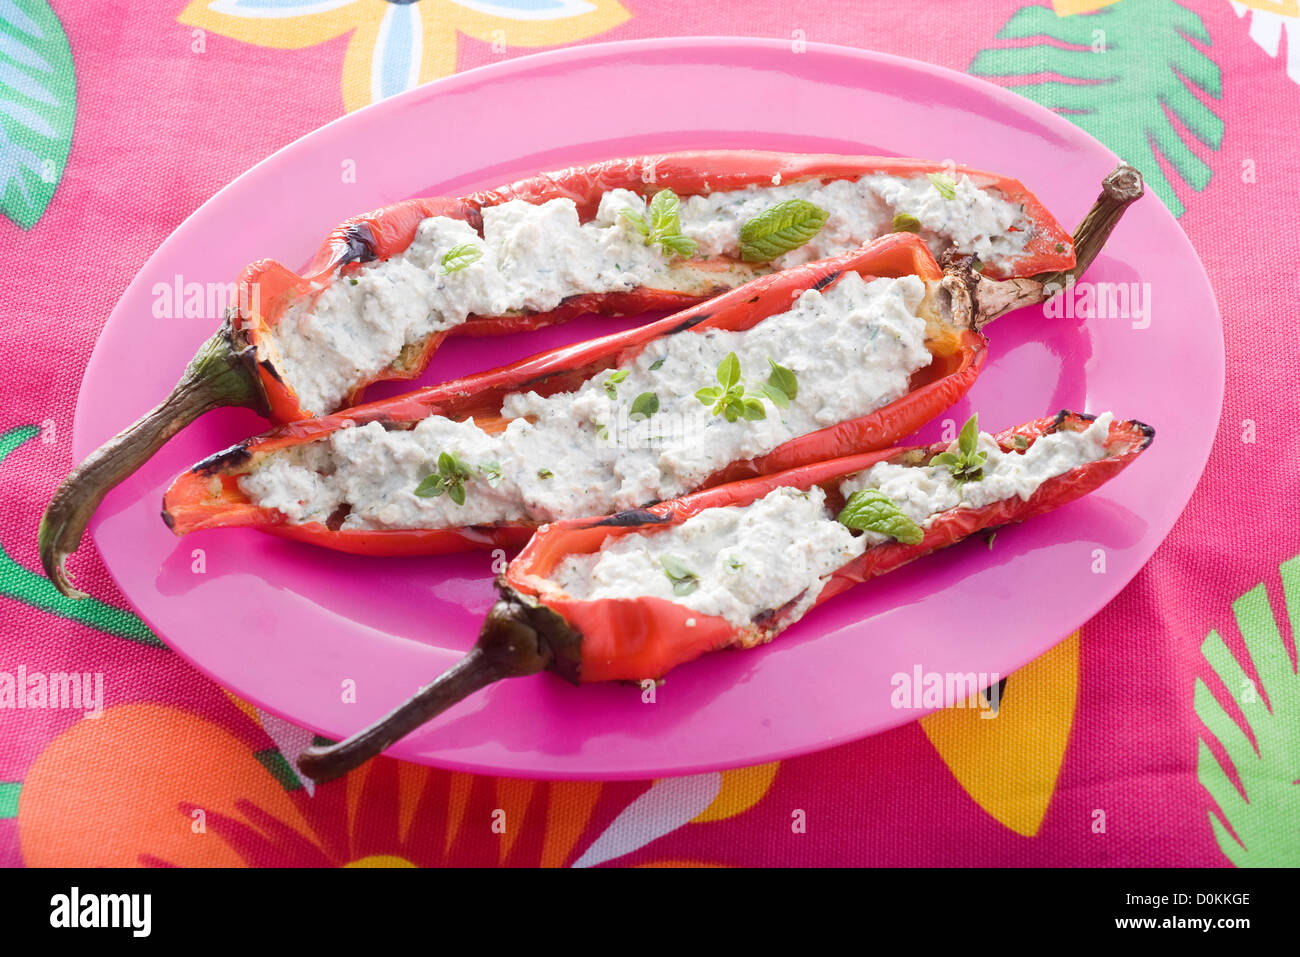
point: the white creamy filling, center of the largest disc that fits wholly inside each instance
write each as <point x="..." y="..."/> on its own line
<point x="852" y="348"/>
<point x="535" y="256"/>
<point x="747" y="559"/>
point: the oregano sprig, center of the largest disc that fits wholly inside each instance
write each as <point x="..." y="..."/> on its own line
<point x="731" y="400"/>
<point x="967" y="463"/>
<point x="450" y="478"/>
<point x="662" y="225"/>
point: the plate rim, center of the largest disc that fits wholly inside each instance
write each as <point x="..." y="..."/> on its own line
<point x="403" y="750"/>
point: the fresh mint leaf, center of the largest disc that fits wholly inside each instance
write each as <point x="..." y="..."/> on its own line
<point x="871" y="510"/>
<point x="637" y="222"/>
<point x="779" y="229"/>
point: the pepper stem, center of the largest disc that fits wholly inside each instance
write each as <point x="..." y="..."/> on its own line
<point x="983" y="300"/>
<point x="507" y="647"/>
<point x="217" y="376"/>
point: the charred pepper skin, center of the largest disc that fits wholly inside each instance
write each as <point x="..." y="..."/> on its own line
<point x="535" y="626"/>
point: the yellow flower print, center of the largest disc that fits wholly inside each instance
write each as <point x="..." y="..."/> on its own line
<point x="398" y="44"/>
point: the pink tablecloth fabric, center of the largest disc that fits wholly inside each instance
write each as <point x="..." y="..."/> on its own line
<point x="1166" y="732"/>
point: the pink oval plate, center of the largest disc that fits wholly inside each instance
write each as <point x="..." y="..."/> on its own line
<point x="286" y="626"/>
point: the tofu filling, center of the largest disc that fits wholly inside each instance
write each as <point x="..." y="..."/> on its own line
<point x="533" y="256"/>
<point x="740" y="561"/>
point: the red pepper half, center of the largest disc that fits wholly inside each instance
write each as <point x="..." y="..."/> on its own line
<point x="238" y="365"/>
<point x="537" y="626"/>
<point x="957" y="306"/>
<point x="208" y="495"/>
<point x="388" y="231"/>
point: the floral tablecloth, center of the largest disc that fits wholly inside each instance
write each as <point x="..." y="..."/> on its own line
<point x="1165" y="732"/>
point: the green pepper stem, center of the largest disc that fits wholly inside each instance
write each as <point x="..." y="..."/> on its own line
<point x="979" y="301"/>
<point x="217" y="376"/>
<point x="508" y="647"/>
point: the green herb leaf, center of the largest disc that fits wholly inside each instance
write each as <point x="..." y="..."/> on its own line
<point x="779" y="398"/>
<point x="968" y="439"/>
<point x="657" y="364"/>
<point x="729" y="370"/>
<point x="353" y="281"/>
<point x="545" y="474"/>
<point x="637" y="222"/>
<point x="662" y="224"/>
<point x="906" y="223"/>
<point x="735" y="564"/>
<point x="613" y="380"/>
<point x="451" y="467"/>
<point x="449" y="478"/>
<point x="944" y="184"/>
<point x="779" y="229"/>
<point x="646" y="404"/>
<point x="602" y="431"/>
<point x="967" y="463"/>
<point x="684" y="580"/>
<point x="664" y="212"/>
<point x="752" y="409"/>
<point x="681" y="245"/>
<point x="458" y="257"/>
<point x="708" y="395"/>
<point x="431" y="486"/>
<point x="783" y="379"/>
<point x="492" y="472"/>
<point x="871" y="510"/>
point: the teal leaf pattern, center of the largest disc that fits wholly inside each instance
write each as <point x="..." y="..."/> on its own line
<point x="38" y="107"/>
<point x="9" y="799"/>
<point x="1264" y="813"/>
<point x="1123" y="71"/>
<point x="38" y="591"/>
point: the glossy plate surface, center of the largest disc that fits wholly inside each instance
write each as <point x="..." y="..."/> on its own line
<point x="284" y="625"/>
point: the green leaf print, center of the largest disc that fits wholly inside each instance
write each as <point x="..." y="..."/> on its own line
<point x="1126" y="68"/>
<point x="38" y="591"/>
<point x="1264" y="811"/>
<point x="38" y="107"/>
